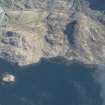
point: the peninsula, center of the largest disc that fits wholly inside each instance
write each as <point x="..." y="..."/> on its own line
<point x="34" y="29"/>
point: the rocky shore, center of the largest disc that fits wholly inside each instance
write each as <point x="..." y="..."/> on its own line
<point x="34" y="29"/>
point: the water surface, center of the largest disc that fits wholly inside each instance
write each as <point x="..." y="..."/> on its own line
<point x="50" y="83"/>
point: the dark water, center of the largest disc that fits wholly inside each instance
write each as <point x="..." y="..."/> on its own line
<point x="97" y="4"/>
<point x="50" y="84"/>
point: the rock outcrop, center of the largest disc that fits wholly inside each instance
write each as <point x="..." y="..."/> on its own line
<point x="34" y="29"/>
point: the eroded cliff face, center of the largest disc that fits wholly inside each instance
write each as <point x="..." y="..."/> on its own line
<point x="88" y="42"/>
<point x="35" y="29"/>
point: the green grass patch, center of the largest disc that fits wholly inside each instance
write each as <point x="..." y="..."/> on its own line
<point x="26" y="17"/>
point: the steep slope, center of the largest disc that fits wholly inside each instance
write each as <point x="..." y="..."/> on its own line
<point x="88" y="40"/>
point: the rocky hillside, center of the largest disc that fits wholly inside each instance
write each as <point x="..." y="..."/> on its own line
<point x="34" y="29"/>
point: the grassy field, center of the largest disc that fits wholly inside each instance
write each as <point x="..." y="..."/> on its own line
<point x="26" y="17"/>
